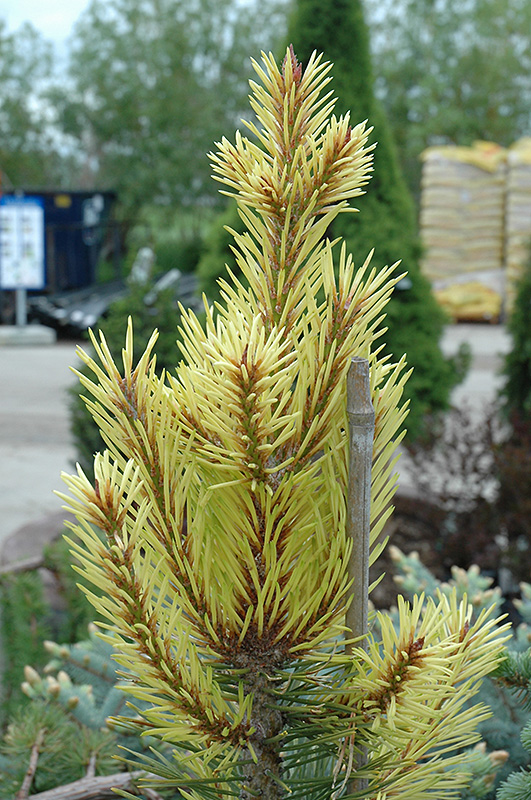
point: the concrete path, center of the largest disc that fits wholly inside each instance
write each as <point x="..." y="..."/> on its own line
<point x="35" y="443"/>
<point x="488" y="344"/>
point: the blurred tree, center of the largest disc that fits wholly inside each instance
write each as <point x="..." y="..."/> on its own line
<point x="29" y="153"/>
<point x="452" y="72"/>
<point x="387" y="219"/>
<point x="516" y="392"/>
<point x="513" y="456"/>
<point x="155" y="83"/>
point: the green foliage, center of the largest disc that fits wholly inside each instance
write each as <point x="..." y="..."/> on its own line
<point x="515" y="673"/>
<point x="154" y="85"/>
<point x="29" y="155"/>
<point x="387" y="219"/>
<point x="163" y="314"/>
<point x="413" y="578"/>
<point x="516" y="392"/>
<point x="516" y="787"/>
<point x="175" y="235"/>
<point x="64" y="749"/>
<point x="85" y="436"/>
<point x="84" y="680"/>
<point x="66" y="723"/>
<point x="218" y="253"/>
<point x="75" y="613"/>
<point x="172" y="252"/>
<point x="484" y="768"/>
<point x="25" y="621"/>
<point x="451" y="73"/>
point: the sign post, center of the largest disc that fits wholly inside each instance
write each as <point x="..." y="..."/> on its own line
<point x="21" y="248"/>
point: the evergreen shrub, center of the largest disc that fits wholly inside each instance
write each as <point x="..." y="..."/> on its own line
<point x="176" y="252"/>
<point x="387" y="221"/>
<point x="25" y="621"/>
<point x="43" y="736"/>
<point x="516" y="392"/>
<point x="71" y="613"/>
<point x="76" y="694"/>
<point x="33" y="610"/>
<point x="513" y="457"/>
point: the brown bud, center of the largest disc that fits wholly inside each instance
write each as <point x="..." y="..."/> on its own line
<point x="464" y="631"/>
<point x="296" y="67"/>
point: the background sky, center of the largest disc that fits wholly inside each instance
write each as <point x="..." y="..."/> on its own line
<point x="53" y="18"/>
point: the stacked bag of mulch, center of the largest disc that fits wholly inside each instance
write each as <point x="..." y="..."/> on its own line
<point x="462" y="209"/>
<point x="462" y="227"/>
<point x="517" y="212"/>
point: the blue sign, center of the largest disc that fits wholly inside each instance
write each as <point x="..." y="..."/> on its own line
<point x="22" y="243"/>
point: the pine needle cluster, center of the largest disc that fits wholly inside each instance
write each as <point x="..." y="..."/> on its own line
<point x="214" y="533"/>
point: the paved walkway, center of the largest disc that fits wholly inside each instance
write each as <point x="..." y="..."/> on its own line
<point x="35" y="444"/>
<point x="488" y="344"/>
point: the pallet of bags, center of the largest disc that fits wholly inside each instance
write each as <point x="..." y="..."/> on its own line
<point x="470" y="301"/>
<point x="518" y="213"/>
<point x="462" y="217"/>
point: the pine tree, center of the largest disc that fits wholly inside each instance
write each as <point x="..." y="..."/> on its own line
<point x="44" y="748"/>
<point x="84" y="680"/>
<point x="223" y="569"/>
<point x="515" y="673"/>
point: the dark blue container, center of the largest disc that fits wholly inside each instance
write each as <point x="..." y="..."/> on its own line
<point x="77" y="224"/>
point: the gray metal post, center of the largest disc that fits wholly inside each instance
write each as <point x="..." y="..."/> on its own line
<point x="361" y="436"/>
<point x="360" y="413"/>
<point x="21" y="308"/>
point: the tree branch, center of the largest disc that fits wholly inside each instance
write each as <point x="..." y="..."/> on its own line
<point x="24" y="790"/>
<point x="91" y="768"/>
<point x="100" y="788"/>
<point x="26" y="565"/>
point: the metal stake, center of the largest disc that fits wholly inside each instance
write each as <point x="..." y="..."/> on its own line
<point x="360" y="413"/>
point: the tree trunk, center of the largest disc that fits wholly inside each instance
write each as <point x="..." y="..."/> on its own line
<point x="261" y="778"/>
